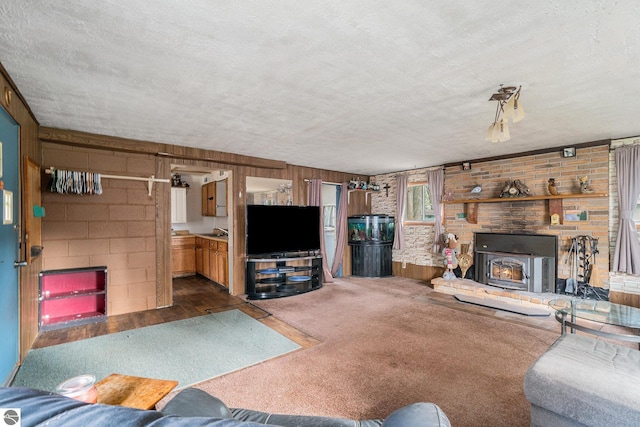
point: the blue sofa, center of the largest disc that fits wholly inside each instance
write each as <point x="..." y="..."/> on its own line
<point x="190" y="407"/>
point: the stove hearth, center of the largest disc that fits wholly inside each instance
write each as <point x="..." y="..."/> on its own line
<point x="525" y="262"/>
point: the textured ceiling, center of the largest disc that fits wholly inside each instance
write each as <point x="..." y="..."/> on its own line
<point x="360" y="86"/>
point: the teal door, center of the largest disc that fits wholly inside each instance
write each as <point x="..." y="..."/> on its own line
<point x="9" y="251"/>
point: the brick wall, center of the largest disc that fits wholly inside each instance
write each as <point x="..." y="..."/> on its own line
<point x="515" y="216"/>
<point x="116" y="229"/>
<point x="619" y="282"/>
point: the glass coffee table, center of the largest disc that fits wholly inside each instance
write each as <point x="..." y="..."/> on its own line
<point x="568" y="311"/>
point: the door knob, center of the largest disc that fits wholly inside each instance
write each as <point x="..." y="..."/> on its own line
<point x="17" y="264"/>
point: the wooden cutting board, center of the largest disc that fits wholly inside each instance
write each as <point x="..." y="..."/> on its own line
<point x="133" y="392"/>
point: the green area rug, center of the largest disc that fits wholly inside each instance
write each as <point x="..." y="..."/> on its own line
<point x="187" y="351"/>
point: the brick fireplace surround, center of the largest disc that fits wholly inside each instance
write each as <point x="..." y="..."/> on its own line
<point x="533" y="217"/>
<point x="513" y="216"/>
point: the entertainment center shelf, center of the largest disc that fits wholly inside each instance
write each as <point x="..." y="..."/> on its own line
<point x="555" y="202"/>
<point x="282" y="277"/>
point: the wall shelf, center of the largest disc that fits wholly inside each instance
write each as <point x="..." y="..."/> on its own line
<point x="358" y="190"/>
<point x="71" y="297"/>
<point x="526" y="199"/>
<point x="555" y="203"/>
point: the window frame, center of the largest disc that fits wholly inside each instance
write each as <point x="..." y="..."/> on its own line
<point x="412" y="222"/>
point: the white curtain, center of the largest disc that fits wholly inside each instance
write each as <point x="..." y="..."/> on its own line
<point x="626" y="257"/>
<point x="401" y="205"/>
<point x="341" y="229"/>
<point x="435" y="178"/>
<point x="315" y="199"/>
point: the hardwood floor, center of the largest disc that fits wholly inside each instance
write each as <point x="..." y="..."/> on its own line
<point x="192" y="296"/>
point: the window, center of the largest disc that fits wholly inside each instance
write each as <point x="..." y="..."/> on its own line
<point x="419" y="207"/>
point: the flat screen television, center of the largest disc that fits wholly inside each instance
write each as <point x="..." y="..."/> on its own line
<point x="277" y="230"/>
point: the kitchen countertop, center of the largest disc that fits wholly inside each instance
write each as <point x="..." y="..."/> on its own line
<point x="210" y="236"/>
<point x="221" y="238"/>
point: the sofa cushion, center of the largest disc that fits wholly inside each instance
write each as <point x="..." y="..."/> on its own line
<point x="42" y="408"/>
<point x="591" y="381"/>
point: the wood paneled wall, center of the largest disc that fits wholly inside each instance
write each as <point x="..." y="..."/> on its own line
<point x="239" y="166"/>
<point x="15" y="105"/>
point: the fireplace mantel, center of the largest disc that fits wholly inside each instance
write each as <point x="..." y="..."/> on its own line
<point x="555" y="203"/>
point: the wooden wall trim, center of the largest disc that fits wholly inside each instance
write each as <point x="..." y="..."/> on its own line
<point x="164" y="284"/>
<point x="534" y="152"/>
<point x="105" y="142"/>
<point x="16" y="92"/>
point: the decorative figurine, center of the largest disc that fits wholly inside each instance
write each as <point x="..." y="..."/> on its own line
<point x="465" y="261"/>
<point x="450" y="256"/>
<point x="553" y="190"/>
<point x="523" y="190"/>
<point x="515" y="188"/>
<point x="505" y="189"/>
<point x="585" y="188"/>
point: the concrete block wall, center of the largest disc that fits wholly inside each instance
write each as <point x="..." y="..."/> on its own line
<point x="116" y="229"/>
<point x="619" y="282"/>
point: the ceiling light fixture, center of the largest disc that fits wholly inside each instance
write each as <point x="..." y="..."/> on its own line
<point x="508" y="108"/>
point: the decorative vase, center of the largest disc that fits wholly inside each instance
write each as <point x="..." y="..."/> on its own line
<point x="464" y="259"/>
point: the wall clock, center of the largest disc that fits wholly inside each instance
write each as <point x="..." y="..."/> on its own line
<point x="569" y="152"/>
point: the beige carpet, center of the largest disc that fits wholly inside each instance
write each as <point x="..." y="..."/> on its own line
<point x="384" y="345"/>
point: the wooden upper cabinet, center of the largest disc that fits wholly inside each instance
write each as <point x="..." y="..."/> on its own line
<point x="214" y="198"/>
<point x="221" y="194"/>
<point x="209" y="199"/>
<point x="178" y="205"/>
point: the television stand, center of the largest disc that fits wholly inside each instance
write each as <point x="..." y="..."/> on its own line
<point x="270" y="277"/>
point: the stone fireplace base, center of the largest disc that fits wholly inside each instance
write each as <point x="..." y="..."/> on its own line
<point x="469" y="287"/>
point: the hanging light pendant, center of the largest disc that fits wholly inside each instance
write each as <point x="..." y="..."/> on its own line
<point x="493" y="133"/>
<point x="518" y="110"/>
<point x="508" y="108"/>
<point x="504" y="131"/>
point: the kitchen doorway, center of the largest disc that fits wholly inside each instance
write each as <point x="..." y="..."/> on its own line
<point x="200" y="209"/>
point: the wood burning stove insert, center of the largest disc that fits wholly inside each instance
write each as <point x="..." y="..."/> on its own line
<point x="526" y="262"/>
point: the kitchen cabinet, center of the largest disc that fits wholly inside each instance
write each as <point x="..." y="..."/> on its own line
<point x="214" y="198"/>
<point x="222" y="261"/>
<point x="178" y="205"/>
<point x="199" y="255"/>
<point x="221" y="194"/>
<point x="209" y="199"/>
<point x="183" y="256"/>
<point x="212" y="259"/>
